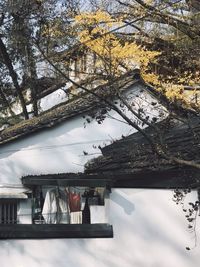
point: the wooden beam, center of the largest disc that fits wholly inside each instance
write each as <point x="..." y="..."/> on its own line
<point x="41" y="181"/>
<point x="39" y="231"/>
<point x="168" y="179"/>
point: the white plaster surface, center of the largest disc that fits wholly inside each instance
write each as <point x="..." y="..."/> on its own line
<point x="61" y="149"/>
<point x="149" y="228"/>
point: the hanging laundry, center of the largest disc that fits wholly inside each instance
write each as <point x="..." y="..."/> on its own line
<point x="74" y="198"/>
<point x="98" y="214"/>
<point x="38" y="206"/>
<point x="76" y="217"/>
<point x="55" y="209"/>
<point x="86" y="213"/>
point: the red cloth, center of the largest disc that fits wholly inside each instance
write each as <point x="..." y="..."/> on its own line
<point x="74" y="202"/>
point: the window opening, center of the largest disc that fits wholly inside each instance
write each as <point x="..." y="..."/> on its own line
<point x="65" y="205"/>
<point x="51" y="211"/>
<point x="8" y="212"/>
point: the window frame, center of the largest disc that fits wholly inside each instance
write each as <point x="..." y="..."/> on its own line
<point x="8" y="209"/>
<point x="47" y="231"/>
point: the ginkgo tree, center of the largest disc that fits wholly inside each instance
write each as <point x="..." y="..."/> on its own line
<point x="97" y="31"/>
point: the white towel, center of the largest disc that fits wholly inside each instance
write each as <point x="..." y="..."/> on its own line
<point x="76" y="217"/>
<point x="55" y="209"/>
<point x="98" y="214"/>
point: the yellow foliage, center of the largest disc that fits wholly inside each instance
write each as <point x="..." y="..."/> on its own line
<point x="174" y="92"/>
<point x="149" y="2"/>
<point x="150" y="78"/>
<point x="92" y="18"/>
<point x="177" y="93"/>
<point x="95" y="30"/>
<point x="114" y="56"/>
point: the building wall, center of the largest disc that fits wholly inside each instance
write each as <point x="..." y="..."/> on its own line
<point x="67" y="147"/>
<point x="149" y="229"/>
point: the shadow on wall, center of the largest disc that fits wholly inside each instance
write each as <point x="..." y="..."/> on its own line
<point x="51" y="253"/>
<point x="112" y="126"/>
<point x="12" y="171"/>
<point x="123" y="202"/>
<point x="148" y="234"/>
<point x="45" y="136"/>
<point x="156" y="232"/>
<point x="56" y="150"/>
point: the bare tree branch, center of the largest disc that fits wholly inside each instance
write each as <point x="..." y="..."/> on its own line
<point x="157" y="148"/>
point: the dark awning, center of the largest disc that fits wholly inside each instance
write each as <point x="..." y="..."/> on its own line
<point x="170" y="179"/>
<point x="66" y="179"/>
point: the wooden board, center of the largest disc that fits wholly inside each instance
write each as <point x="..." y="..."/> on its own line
<point x="43" y="231"/>
<point x="164" y="179"/>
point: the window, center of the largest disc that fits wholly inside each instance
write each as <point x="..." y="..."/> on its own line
<point x="67" y="212"/>
<point x="66" y="205"/>
<point x="8" y="211"/>
<point x="60" y="207"/>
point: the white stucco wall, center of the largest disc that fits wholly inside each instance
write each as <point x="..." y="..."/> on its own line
<point x="61" y="149"/>
<point x="149" y="229"/>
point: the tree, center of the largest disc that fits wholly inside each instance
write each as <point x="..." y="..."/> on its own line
<point x="109" y="57"/>
<point x="157" y="37"/>
<point x="171" y="28"/>
<point x="115" y="55"/>
<point x="21" y="22"/>
<point x="103" y="34"/>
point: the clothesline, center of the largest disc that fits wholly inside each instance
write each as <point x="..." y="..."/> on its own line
<point x="30" y="214"/>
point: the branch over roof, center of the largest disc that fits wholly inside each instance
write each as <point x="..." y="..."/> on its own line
<point x="81" y="104"/>
<point x="133" y="154"/>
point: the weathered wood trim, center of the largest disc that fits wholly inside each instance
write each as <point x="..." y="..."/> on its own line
<point x="173" y="179"/>
<point x="40" y="231"/>
<point x="165" y="179"/>
<point x="78" y="180"/>
<point x="78" y="106"/>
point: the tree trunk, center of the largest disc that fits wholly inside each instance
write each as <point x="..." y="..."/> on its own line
<point x="33" y="77"/>
<point x="6" y="103"/>
<point x="27" y="56"/>
<point x="13" y="75"/>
